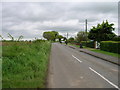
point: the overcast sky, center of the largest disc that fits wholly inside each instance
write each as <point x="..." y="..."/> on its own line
<point x="32" y="19"/>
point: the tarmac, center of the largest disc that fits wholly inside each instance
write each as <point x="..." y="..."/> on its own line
<point x="108" y="58"/>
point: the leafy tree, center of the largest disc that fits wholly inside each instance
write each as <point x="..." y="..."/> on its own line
<point x="71" y="39"/>
<point x="59" y="37"/>
<point x="81" y="36"/>
<point x="102" y="32"/>
<point x="51" y="35"/>
<point x="48" y="35"/>
<point x="55" y="34"/>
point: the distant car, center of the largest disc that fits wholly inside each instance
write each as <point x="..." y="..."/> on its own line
<point x="63" y="41"/>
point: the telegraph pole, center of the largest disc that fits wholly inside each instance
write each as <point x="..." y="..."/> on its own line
<point x="86" y="30"/>
<point x="67" y="35"/>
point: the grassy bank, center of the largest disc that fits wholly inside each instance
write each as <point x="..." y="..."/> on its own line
<point x="0" y="51"/>
<point x="99" y="51"/>
<point x="1" y="67"/>
<point x="25" y="64"/>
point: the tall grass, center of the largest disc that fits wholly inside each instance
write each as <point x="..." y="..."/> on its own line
<point x="25" y="64"/>
<point x="0" y="73"/>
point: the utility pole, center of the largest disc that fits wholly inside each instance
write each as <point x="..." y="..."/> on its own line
<point x="67" y="35"/>
<point x="86" y="30"/>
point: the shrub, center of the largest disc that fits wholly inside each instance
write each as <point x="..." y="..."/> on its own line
<point x="89" y="44"/>
<point x="116" y="38"/>
<point x="110" y="46"/>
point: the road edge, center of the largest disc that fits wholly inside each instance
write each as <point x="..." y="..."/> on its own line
<point x="117" y="63"/>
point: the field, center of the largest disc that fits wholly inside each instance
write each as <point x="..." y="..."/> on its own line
<point x="25" y="64"/>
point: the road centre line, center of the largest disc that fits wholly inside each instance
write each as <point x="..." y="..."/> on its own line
<point x="104" y="78"/>
<point x="76" y="59"/>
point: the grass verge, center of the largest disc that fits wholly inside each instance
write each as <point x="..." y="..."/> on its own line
<point x="24" y="65"/>
<point x="107" y="53"/>
<point x="99" y="51"/>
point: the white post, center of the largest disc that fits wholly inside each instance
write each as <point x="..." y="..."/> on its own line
<point x="95" y="44"/>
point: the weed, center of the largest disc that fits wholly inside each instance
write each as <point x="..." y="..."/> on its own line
<point x="25" y="65"/>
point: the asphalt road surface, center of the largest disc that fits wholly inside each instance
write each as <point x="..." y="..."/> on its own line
<point x="73" y="69"/>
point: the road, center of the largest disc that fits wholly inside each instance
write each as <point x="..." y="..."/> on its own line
<point x="69" y="68"/>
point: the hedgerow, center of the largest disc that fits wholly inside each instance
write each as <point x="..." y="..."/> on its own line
<point x="110" y="46"/>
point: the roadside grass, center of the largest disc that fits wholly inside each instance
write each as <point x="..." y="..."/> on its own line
<point x="99" y="51"/>
<point x="73" y="45"/>
<point x="0" y="51"/>
<point x="24" y="65"/>
<point x="0" y="67"/>
<point x="107" y="53"/>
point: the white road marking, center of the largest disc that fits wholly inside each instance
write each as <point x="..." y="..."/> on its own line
<point x="77" y="59"/>
<point x="104" y="78"/>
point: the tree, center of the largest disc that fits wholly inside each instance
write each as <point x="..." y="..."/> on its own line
<point x="102" y="32"/>
<point x="59" y="37"/>
<point x="48" y="35"/>
<point x="64" y="38"/>
<point x="11" y="37"/>
<point x="51" y="35"/>
<point x="81" y="36"/>
<point x="20" y="37"/>
<point x="71" y="39"/>
<point x="55" y="34"/>
<point x="1" y="37"/>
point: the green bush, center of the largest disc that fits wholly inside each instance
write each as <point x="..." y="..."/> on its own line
<point x="110" y="46"/>
<point x="89" y="44"/>
<point x="116" y="38"/>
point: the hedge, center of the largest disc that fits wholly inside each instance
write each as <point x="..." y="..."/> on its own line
<point x="89" y="44"/>
<point x="110" y="46"/>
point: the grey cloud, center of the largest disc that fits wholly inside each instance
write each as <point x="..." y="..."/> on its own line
<point x="29" y="18"/>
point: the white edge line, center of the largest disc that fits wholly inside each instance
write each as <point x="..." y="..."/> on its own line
<point x="104" y="78"/>
<point x="77" y="59"/>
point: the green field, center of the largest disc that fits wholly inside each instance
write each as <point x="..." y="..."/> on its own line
<point x="25" y="65"/>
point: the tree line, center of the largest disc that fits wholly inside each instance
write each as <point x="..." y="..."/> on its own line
<point x="101" y="32"/>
